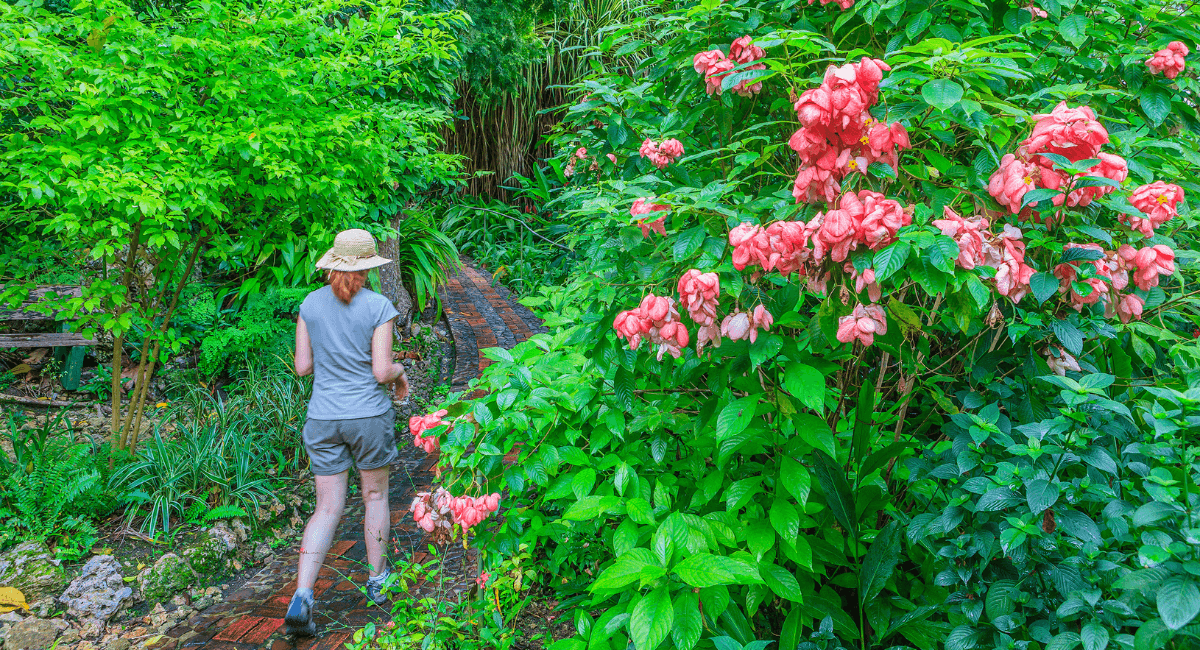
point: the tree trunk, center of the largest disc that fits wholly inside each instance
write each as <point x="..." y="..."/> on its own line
<point x="391" y="282"/>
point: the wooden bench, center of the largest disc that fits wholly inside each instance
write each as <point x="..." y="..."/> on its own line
<point x="68" y="346"/>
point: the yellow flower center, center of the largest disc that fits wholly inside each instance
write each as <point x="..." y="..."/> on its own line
<point x="864" y="140"/>
<point x="1162" y="198"/>
<point x="1028" y="180"/>
<point x="853" y="164"/>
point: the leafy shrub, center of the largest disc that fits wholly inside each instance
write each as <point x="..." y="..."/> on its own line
<point x="52" y="488"/>
<point x="264" y="328"/>
<point x="824" y="473"/>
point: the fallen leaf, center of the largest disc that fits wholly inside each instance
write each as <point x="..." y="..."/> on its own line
<point x="141" y="566"/>
<point x="11" y="598"/>
<point x="161" y="405"/>
<point x="37" y="355"/>
<point x="21" y="369"/>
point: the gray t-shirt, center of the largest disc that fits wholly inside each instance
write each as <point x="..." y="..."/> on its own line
<point x="344" y="387"/>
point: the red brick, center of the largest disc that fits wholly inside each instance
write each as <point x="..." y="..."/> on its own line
<point x="333" y="641"/>
<point x="238" y="628"/>
<point x="340" y="548"/>
<point x="321" y="585"/>
<point x="261" y="632"/>
<point x="283" y="644"/>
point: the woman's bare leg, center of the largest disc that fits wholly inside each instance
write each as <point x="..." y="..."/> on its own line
<point x="318" y="534"/>
<point x="378" y="519"/>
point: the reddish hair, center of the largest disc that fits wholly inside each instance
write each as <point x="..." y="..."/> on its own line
<point x="346" y="283"/>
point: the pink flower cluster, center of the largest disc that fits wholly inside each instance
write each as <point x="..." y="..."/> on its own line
<point x="714" y="66"/>
<point x="646" y="206"/>
<point x="440" y="509"/>
<point x="865" y="217"/>
<point x="581" y="154"/>
<point x="418" y="424"/>
<point x="661" y="155"/>
<point x="844" y="4"/>
<point x="1148" y="263"/>
<point x="657" y="319"/>
<point x="967" y="233"/>
<point x="838" y="134"/>
<point x="1070" y="132"/>
<point x="1168" y="61"/>
<point x="698" y="294"/>
<point x="1099" y="282"/>
<point x="745" y="325"/>
<point x="1159" y="201"/>
<point x="862" y="324"/>
<point x="1006" y="253"/>
<point x="864" y="280"/>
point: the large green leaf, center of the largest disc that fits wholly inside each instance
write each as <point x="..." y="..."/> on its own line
<point x="1041" y="494"/>
<point x="837" y="491"/>
<point x="806" y="384"/>
<point x="781" y="581"/>
<point x="688" y="622"/>
<point x="1178" y="601"/>
<point x="651" y="619"/>
<point x="707" y="570"/>
<point x="879" y="563"/>
<point x="942" y="93"/>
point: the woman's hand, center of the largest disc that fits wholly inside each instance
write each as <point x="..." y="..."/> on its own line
<point x="400" y="386"/>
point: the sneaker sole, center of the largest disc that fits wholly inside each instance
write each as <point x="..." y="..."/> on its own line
<point x="300" y="629"/>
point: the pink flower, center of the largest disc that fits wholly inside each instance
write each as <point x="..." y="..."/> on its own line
<point x="1110" y="167"/>
<point x="884" y="141"/>
<point x="646" y="206"/>
<point x="418" y="424"/>
<point x="751" y="245"/>
<point x="743" y="51"/>
<point x="1158" y="200"/>
<point x="745" y="325"/>
<point x="1070" y="132"/>
<point x="1036" y="12"/>
<point x="483" y="578"/>
<point x="788" y="247"/>
<point x="657" y="319"/>
<point x="1006" y="254"/>
<point x="1067" y="275"/>
<point x="1126" y="306"/>
<point x="657" y="226"/>
<point x="716" y="73"/>
<point x="698" y="294"/>
<point x="671" y="147"/>
<point x="468" y="512"/>
<point x="1009" y="184"/>
<point x="882" y="219"/>
<point x="1149" y="263"/>
<point x="862" y="324"/>
<point x="864" y="280"/>
<point x="631" y="325"/>
<point x="661" y="155"/>
<point x="844" y="4"/>
<point x="704" y="61"/>
<point x="581" y="153"/>
<point x="1060" y="361"/>
<point x="612" y="158"/>
<point x="1168" y="61"/>
<point x="967" y="233"/>
<point x="706" y="334"/>
<point x="432" y="510"/>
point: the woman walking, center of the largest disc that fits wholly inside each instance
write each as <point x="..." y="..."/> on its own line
<point x="344" y="338"/>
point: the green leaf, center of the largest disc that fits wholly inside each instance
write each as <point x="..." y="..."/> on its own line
<point x="688" y="622"/>
<point x="764" y="349"/>
<point x="941" y="93"/>
<point x="1156" y="102"/>
<point x="795" y="479"/>
<point x="687" y="243"/>
<point x="781" y="581"/>
<point x="651" y="619"/>
<point x="806" y="384"/>
<point x="1043" y="285"/>
<point x="1041" y="494"/>
<point x="1075" y="29"/>
<point x="1000" y="599"/>
<point x="750" y="76"/>
<point x="943" y="253"/>
<point x="786" y="521"/>
<point x="837" y="491"/>
<point x="623" y="387"/>
<point x="789" y="636"/>
<point x="624" y="571"/>
<point x="735" y="417"/>
<point x="879" y="563"/>
<point x="889" y="260"/>
<point x="1063" y="641"/>
<point x="816" y="433"/>
<point x="708" y="570"/>
<point x="1152" y="635"/>
<point x="917" y="25"/>
<point x="864" y="418"/>
<point x="1178" y="601"/>
<point x="1094" y="636"/>
<point x="1069" y="335"/>
<point x="1039" y="195"/>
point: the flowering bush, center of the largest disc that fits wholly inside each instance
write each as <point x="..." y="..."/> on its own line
<point x="939" y="284"/>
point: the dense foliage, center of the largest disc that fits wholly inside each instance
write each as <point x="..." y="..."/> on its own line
<point x="945" y="252"/>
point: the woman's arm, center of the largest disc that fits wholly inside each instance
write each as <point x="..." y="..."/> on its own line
<point x="304" y="354"/>
<point x="386" y="371"/>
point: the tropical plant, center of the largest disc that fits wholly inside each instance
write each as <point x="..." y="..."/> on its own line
<point x="51" y="488"/>
<point x="130" y="139"/>
<point x="888" y="259"/>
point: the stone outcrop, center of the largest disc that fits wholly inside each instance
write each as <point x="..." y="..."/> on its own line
<point x="31" y="568"/>
<point x="98" y="593"/>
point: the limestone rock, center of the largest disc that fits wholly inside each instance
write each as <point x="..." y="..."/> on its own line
<point x="169" y="575"/>
<point x="119" y="644"/>
<point x="33" y="634"/>
<point x="98" y="593"/>
<point x="44" y="607"/>
<point x="31" y="568"/>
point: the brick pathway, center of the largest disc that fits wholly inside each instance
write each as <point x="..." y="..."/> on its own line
<point x="251" y="618"/>
<point x="482" y="316"/>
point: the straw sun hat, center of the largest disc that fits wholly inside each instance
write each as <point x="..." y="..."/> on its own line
<point x="353" y="250"/>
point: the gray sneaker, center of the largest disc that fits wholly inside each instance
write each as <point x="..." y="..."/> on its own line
<point x="375" y="589"/>
<point x="299" y="619"/>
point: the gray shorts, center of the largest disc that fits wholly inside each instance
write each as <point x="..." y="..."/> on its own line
<point x="336" y="445"/>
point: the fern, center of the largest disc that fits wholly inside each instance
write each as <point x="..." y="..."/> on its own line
<point x="224" y="512"/>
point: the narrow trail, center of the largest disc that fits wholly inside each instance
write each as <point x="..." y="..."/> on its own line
<point x="251" y="617"/>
